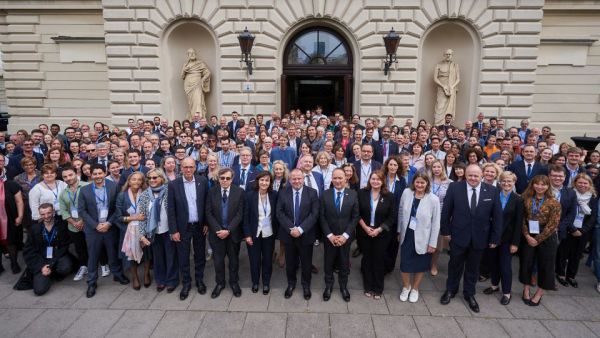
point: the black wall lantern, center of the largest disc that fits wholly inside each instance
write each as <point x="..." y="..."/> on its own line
<point x="391" y="41"/>
<point x="246" y="41"/>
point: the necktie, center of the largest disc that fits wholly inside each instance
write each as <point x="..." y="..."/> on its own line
<point x="308" y="182"/>
<point x="224" y="196"/>
<point x="385" y="149"/>
<point x="224" y="210"/>
<point x="243" y="177"/>
<point x="473" y="201"/>
<point x="103" y="161"/>
<point x="338" y="201"/>
<point x="529" y="170"/>
<point x="297" y="209"/>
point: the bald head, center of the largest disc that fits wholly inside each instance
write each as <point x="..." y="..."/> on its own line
<point x="473" y="174"/>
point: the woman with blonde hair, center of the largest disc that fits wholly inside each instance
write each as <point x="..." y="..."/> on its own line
<point x="324" y="167"/>
<point x="212" y="173"/>
<point x="491" y="172"/>
<point x="439" y="186"/>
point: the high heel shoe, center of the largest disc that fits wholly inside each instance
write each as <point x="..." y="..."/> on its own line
<point x="136" y="285"/>
<point x="525" y="300"/>
<point x="532" y="303"/>
<point x="149" y="281"/>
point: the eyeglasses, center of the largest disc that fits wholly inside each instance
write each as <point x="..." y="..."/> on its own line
<point x="153" y="177"/>
<point x="91" y="150"/>
<point x="225" y="178"/>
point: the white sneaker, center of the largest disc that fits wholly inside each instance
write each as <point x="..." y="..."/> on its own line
<point x="80" y="273"/>
<point x="105" y="270"/>
<point x="598" y="287"/>
<point x="404" y="294"/>
<point x="414" y="296"/>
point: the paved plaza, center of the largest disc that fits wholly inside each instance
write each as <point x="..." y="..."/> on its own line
<point x="120" y="311"/>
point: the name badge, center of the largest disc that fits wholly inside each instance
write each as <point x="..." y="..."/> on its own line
<point x="56" y="206"/>
<point x="74" y="213"/>
<point x="578" y="222"/>
<point x="412" y="224"/>
<point x="534" y="227"/>
<point x="103" y="215"/>
<point x="49" y="252"/>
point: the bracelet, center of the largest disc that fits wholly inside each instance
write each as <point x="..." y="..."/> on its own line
<point x="126" y="219"/>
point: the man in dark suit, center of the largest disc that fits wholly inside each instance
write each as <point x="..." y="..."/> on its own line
<point x="366" y="165"/>
<point x="472" y="221"/>
<point x="234" y="124"/>
<point x="186" y="199"/>
<point x="297" y="213"/>
<point x="102" y="156"/>
<point x="527" y="168"/>
<point x="339" y="215"/>
<point x="134" y="157"/>
<point x="385" y="147"/>
<point x="312" y="179"/>
<point x="96" y="207"/>
<point x="224" y="215"/>
<point x="572" y="167"/>
<point x="244" y="172"/>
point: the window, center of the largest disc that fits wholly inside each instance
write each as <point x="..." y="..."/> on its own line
<point x="317" y="47"/>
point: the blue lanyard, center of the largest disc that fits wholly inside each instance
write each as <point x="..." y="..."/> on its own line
<point x="264" y="205"/>
<point x="52" y="191"/>
<point x="52" y="236"/>
<point x="392" y="185"/>
<point x="373" y="209"/>
<point x="132" y="203"/>
<point x="535" y="208"/>
<point x="102" y="200"/>
<point x="74" y="198"/>
<point x="435" y="191"/>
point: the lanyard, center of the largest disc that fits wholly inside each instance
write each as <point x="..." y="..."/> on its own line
<point x="391" y="185"/>
<point x="535" y="208"/>
<point x="52" y="236"/>
<point x="102" y="200"/>
<point x="33" y="182"/>
<point x="52" y="191"/>
<point x="74" y="198"/>
<point x="132" y="202"/>
<point x="362" y="171"/>
<point x="264" y="205"/>
<point x="435" y="191"/>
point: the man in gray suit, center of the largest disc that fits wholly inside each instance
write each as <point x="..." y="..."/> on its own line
<point x="339" y="215"/>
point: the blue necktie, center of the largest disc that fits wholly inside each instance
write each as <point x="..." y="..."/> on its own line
<point x="338" y="201"/>
<point x="224" y="208"/>
<point x="297" y="209"/>
<point x="529" y="170"/>
<point x="243" y="177"/>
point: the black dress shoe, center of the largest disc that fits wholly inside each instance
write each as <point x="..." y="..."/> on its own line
<point x="445" y="299"/>
<point x="307" y="293"/>
<point x="201" y="288"/>
<point x="572" y="282"/>
<point x="160" y="288"/>
<point x="121" y="279"/>
<point x="327" y="294"/>
<point x="170" y="289"/>
<point x="266" y="289"/>
<point x="237" y="292"/>
<point x="289" y="292"/>
<point x="562" y="281"/>
<point x="472" y="303"/>
<point x="254" y="288"/>
<point x="345" y="294"/>
<point x="217" y="291"/>
<point x="505" y="300"/>
<point x="15" y="268"/>
<point x="490" y="290"/>
<point x="185" y="292"/>
<point x="91" y="290"/>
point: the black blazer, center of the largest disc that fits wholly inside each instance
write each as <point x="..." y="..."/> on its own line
<point x="378" y="150"/>
<point x="235" y="212"/>
<point x="250" y="175"/>
<point x="589" y="221"/>
<point x="251" y="213"/>
<point x="309" y="214"/>
<point x="384" y="213"/>
<point x="88" y="209"/>
<point x="34" y="251"/>
<point x="477" y="230"/>
<point x="518" y="168"/>
<point x="568" y="212"/>
<point x="335" y="221"/>
<point x="512" y="220"/>
<point x="177" y="212"/>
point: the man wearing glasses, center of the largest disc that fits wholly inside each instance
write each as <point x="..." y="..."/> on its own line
<point x="224" y="215"/>
<point x="186" y="199"/>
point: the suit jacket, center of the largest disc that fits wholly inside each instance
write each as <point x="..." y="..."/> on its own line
<point x="250" y="225"/>
<point x="309" y="214"/>
<point x="87" y="207"/>
<point x="126" y="172"/>
<point x="428" y="220"/>
<point x="298" y="143"/>
<point x="177" y="212"/>
<point x="375" y="165"/>
<point x="580" y="170"/>
<point x="235" y="212"/>
<point x="384" y="213"/>
<point x="34" y="251"/>
<point x="320" y="182"/>
<point x="232" y="130"/>
<point x="378" y="150"/>
<point x="518" y="168"/>
<point x="568" y="211"/>
<point x="512" y="219"/>
<point x="14" y="164"/>
<point x="337" y="222"/>
<point x="589" y="221"/>
<point x="250" y="175"/>
<point x="467" y="230"/>
<point x="97" y="160"/>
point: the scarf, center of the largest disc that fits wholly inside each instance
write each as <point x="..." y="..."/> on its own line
<point x="583" y="201"/>
<point x="154" y="220"/>
<point x="3" y="215"/>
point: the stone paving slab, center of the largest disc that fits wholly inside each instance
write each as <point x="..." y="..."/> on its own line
<point x="524" y="328"/>
<point x="351" y="326"/>
<point x="136" y="323"/>
<point x="438" y="327"/>
<point x="303" y="325"/>
<point x="260" y="325"/>
<point x="94" y="323"/>
<point x="51" y="323"/>
<point x="13" y="321"/>
<point x="481" y="327"/>
<point x="394" y="326"/>
<point x="221" y="324"/>
<point x="571" y="329"/>
<point x="179" y="324"/>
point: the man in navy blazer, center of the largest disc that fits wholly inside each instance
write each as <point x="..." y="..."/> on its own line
<point x="472" y="221"/>
<point x="385" y="147"/>
<point x="366" y="165"/>
<point x="244" y="173"/>
<point x="312" y="179"/>
<point x="96" y="206"/>
<point x="234" y="124"/>
<point x="186" y="200"/>
<point x="297" y="214"/>
<point x="527" y="168"/>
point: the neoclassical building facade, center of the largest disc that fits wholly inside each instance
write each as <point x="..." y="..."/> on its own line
<point x="115" y="59"/>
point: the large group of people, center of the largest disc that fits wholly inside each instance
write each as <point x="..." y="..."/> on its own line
<point x="138" y="202"/>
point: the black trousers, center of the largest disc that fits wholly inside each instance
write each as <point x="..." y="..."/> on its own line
<point x="296" y="251"/>
<point x="500" y="260"/>
<point x="391" y="254"/>
<point x="261" y="259"/>
<point x="570" y="252"/>
<point x="339" y="256"/>
<point x="192" y="237"/>
<point x="464" y="262"/>
<point x="372" y="264"/>
<point x="164" y="255"/>
<point x="544" y="257"/>
<point x="78" y="240"/>
<point x="221" y="248"/>
<point x="61" y="268"/>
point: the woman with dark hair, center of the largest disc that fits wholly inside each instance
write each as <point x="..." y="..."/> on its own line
<point x="339" y="156"/>
<point x="351" y="176"/>
<point x="458" y="172"/>
<point x="449" y="162"/>
<point x="12" y="210"/>
<point x="473" y="156"/>
<point x="540" y="224"/>
<point x="260" y="230"/>
<point x="47" y="191"/>
<point x="559" y="159"/>
<point x="395" y="183"/>
<point x="27" y="180"/>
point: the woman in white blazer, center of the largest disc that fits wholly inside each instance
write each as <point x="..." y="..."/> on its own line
<point x="418" y="229"/>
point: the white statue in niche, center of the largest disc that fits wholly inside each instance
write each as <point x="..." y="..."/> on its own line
<point x="446" y="76"/>
<point x="196" y="82"/>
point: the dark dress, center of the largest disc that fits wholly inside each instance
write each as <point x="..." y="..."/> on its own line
<point x="14" y="232"/>
<point x="410" y="260"/>
<point x="26" y="186"/>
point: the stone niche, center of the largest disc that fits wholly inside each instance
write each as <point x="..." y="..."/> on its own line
<point x="464" y="41"/>
<point x="177" y="39"/>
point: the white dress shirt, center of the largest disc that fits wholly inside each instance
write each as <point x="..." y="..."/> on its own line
<point x="470" y="193"/>
<point x="265" y="228"/>
<point x="190" y="196"/>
